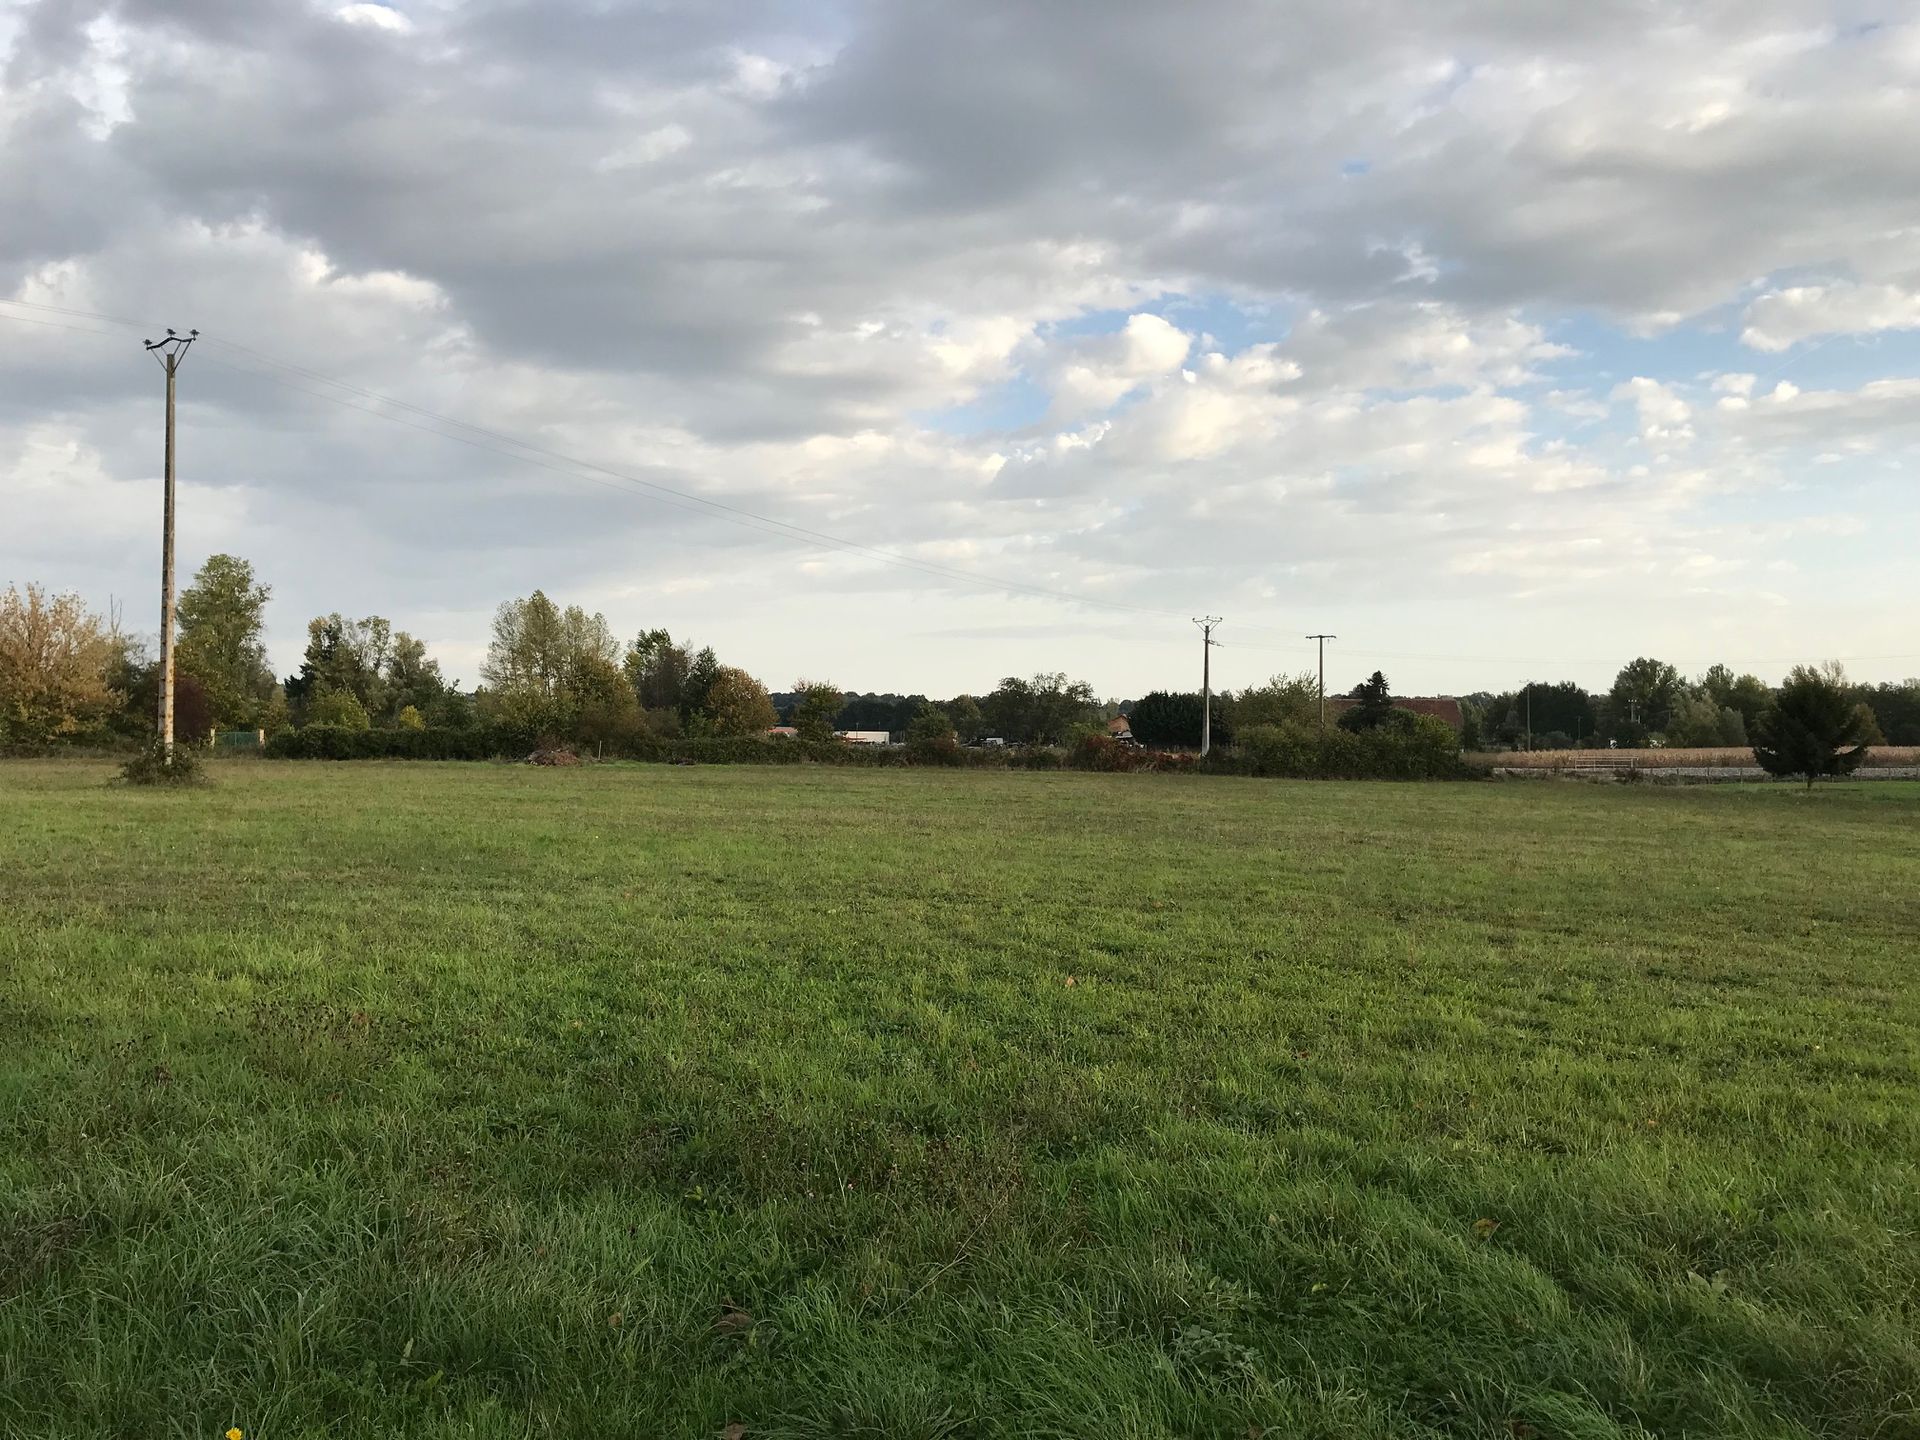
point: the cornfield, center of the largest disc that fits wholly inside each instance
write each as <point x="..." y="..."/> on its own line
<point x="1710" y="756"/>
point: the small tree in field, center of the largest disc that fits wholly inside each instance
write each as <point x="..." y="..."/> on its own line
<point x="1813" y="729"/>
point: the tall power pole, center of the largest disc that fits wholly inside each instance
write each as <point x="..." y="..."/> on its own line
<point x="169" y="352"/>
<point x="1323" y="674"/>
<point x="1207" y="642"/>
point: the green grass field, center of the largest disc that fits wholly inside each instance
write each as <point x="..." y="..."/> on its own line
<point x="490" y="1101"/>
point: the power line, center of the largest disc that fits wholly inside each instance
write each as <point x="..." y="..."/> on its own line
<point x="651" y="489"/>
<point x="573" y="467"/>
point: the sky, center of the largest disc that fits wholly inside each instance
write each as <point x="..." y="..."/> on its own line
<point x="910" y="345"/>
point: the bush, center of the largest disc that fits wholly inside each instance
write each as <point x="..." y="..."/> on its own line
<point x="1413" y="747"/>
<point x="153" y="766"/>
<point x="1104" y="753"/>
<point x="336" y="742"/>
<point x="931" y="739"/>
<point x="339" y="709"/>
<point x="1407" y="747"/>
<point x="1164" y="719"/>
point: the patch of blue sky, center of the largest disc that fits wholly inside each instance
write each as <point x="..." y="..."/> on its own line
<point x="1233" y="324"/>
<point x="1015" y="404"/>
<point x="1682" y="355"/>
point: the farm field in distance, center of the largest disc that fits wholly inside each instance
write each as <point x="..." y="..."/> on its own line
<point x="500" y="1101"/>
<point x="1880" y="757"/>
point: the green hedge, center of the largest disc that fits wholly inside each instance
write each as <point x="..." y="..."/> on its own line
<point x="337" y="742"/>
<point x="1417" y="747"/>
<point x="485" y="742"/>
<point x="1412" y="747"/>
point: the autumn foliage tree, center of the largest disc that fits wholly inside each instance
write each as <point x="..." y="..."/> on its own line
<point x="54" y="659"/>
<point x="738" y="704"/>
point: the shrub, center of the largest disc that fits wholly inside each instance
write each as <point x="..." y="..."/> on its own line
<point x="410" y="718"/>
<point x="340" y="709"/>
<point x="1104" y="753"/>
<point x="153" y="766"/>
<point x="931" y="739"/>
<point x="335" y="742"/>
<point x="1406" y="747"/>
<point x="1164" y="719"/>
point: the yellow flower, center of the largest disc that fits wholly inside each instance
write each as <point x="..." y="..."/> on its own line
<point x="236" y="1433"/>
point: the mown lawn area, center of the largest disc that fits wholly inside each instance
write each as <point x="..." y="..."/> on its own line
<point x="475" y="1100"/>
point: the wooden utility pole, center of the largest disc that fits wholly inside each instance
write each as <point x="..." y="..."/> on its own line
<point x="169" y="352"/>
<point x="1323" y="674"/>
<point x="1206" y="624"/>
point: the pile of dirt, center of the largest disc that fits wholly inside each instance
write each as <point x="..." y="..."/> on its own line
<point x="553" y="757"/>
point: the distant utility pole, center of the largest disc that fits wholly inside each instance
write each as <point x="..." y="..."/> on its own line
<point x="1529" y="692"/>
<point x="1323" y="674"/>
<point x="1207" y="642"/>
<point x="169" y="352"/>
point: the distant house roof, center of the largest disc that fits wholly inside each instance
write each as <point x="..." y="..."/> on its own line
<point x="865" y="737"/>
<point x="1441" y="707"/>
<point x="783" y="730"/>
<point x="1120" y="727"/>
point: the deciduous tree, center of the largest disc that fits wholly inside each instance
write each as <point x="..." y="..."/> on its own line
<point x="54" y="660"/>
<point x="1171" y="720"/>
<point x="349" y="657"/>
<point x="738" y="704"/>
<point x="545" y="664"/>
<point x="1747" y="694"/>
<point x="338" y="707"/>
<point x="816" y="708"/>
<point x="1697" y="720"/>
<point x="221" y="616"/>
<point x="968" y="723"/>
<point x="413" y="678"/>
<point x="1640" y="704"/>
<point x="1282" y="700"/>
<point x="1039" y="711"/>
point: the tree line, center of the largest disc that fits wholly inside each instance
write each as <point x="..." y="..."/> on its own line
<point x="1650" y="703"/>
<point x="67" y="673"/>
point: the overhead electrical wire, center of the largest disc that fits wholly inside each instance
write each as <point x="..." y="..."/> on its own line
<point x="544" y="457"/>
<point x="512" y="447"/>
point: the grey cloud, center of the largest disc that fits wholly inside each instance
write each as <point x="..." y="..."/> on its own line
<point x="890" y="213"/>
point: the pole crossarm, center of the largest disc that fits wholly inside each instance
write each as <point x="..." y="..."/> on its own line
<point x="172" y="350"/>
